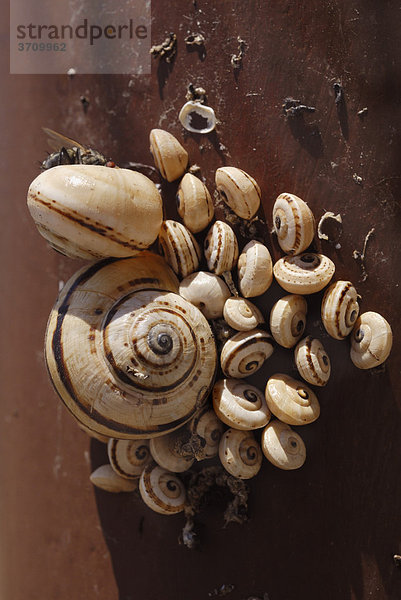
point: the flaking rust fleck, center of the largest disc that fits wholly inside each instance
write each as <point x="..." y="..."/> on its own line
<point x="360" y="256"/>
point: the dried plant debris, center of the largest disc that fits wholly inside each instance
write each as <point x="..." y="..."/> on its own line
<point x="195" y="39"/>
<point x="223" y="590"/>
<point x="357" y="178"/>
<point x="196" y="94"/>
<point x="338" y="92"/>
<point x="361" y="113"/>
<point x="294" y="108"/>
<point x="360" y="256"/>
<point x="236" y="59"/>
<point x="191" y="447"/>
<point x="330" y="227"/>
<point x="167" y="49"/>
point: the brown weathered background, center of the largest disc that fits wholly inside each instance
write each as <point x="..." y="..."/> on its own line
<point x="327" y="531"/>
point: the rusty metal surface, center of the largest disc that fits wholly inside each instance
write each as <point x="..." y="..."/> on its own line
<point x="329" y="530"/>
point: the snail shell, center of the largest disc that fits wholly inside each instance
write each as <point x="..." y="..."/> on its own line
<point x="288" y="320"/>
<point x="180" y="249"/>
<point x="240" y="453"/>
<point x="241" y="314"/>
<point x="371" y="341"/>
<point x="312" y="361"/>
<point x="221" y="248"/>
<point x="161" y="490"/>
<point x="170" y="157"/>
<point x="340" y="309"/>
<point x="244" y="353"/>
<point x="239" y="190"/>
<point x="105" y="478"/>
<point x="255" y="270"/>
<point x="128" y="458"/>
<point x="294" y="223"/>
<point x="304" y="274"/>
<point x="291" y="401"/>
<point x="164" y="452"/>
<point x="209" y="427"/>
<point x="195" y="113"/>
<point x="194" y="203"/>
<point x="240" y="405"/>
<point x="206" y="291"/>
<point x="100" y="438"/>
<point x="90" y="211"/>
<point x="283" y="447"/>
<point x="129" y="359"/>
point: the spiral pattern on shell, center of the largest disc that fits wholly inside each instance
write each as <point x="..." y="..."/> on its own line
<point x="288" y="319"/>
<point x="255" y="269"/>
<point x="340" y="309"/>
<point x="291" y="401"/>
<point x="128" y="458"/>
<point x="245" y="353"/>
<point x="312" y="361"/>
<point x="240" y="453"/>
<point x="221" y="248"/>
<point x="238" y="190"/>
<point x="161" y="490"/>
<point x="240" y="405"/>
<point x="294" y="223"/>
<point x="282" y="446"/>
<point x="180" y="249"/>
<point x="165" y="452"/>
<point x="304" y="274"/>
<point x="209" y="427"/>
<point x="371" y="340"/>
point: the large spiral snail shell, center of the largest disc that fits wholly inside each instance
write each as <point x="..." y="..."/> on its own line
<point x="340" y="309"/>
<point x="291" y="401"/>
<point x="239" y="190"/>
<point x="169" y="155"/>
<point x="240" y="453"/>
<point x="240" y="405"/>
<point x="90" y="211"/>
<point x="180" y="249"/>
<point x="129" y="358"/>
<point x="128" y="458"/>
<point x="294" y="223"/>
<point x="312" y="361"/>
<point x="255" y="270"/>
<point x="161" y="490"/>
<point x="304" y="274"/>
<point x="194" y="203"/>
<point x="371" y="340"/>
<point x="282" y="446"/>
<point x="288" y="319"/>
<point x="245" y="352"/>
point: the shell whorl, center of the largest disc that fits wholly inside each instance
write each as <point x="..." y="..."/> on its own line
<point x="304" y="274"/>
<point x="371" y="340"/>
<point x="161" y="490"/>
<point x="128" y="458"/>
<point x="312" y="361"/>
<point x="282" y="446"/>
<point x="180" y="249"/>
<point x="245" y="353"/>
<point x="340" y="309"/>
<point x="294" y="223"/>
<point x="291" y="401"/>
<point x="238" y="190"/>
<point x="288" y="319"/>
<point x="240" y="405"/>
<point x="255" y="269"/>
<point x="221" y="248"/>
<point x="240" y="454"/>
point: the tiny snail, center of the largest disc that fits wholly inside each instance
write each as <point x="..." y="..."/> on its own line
<point x="170" y="157"/>
<point x="312" y="361"/>
<point x="179" y="247"/>
<point x="197" y="117"/>
<point x="194" y="203"/>
<point x="244" y="353"/>
<point x="240" y="405"/>
<point x="241" y="314"/>
<point x="255" y="270"/>
<point x="340" y="309"/>
<point x="304" y="274"/>
<point x="105" y="478"/>
<point x="209" y="427"/>
<point x="294" y="223"/>
<point x="128" y="458"/>
<point x="288" y="320"/>
<point x="239" y="190"/>
<point x="282" y="446"/>
<point x="161" y="490"/>
<point x="291" y="401"/>
<point x="240" y="453"/>
<point x="371" y="340"/>
<point x="165" y="451"/>
<point x="206" y="291"/>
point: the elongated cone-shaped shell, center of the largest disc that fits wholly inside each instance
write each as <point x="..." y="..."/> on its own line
<point x="244" y="353"/>
<point x="288" y="320"/>
<point x="170" y="157"/>
<point x="255" y="270"/>
<point x="304" y="274"/>
<point x="241" y="314"/>
<point x="240" y="453"/>
<point x="340" y="309"/>
<point x="164" y="450"/>
<point x="179" y="247"/>
<point x="105" y="478"/>
<point x="161" y="490"/>
<point x="209" y="427"/>
<point x="221" y="248"/>
<point x="282" y="446"/>
<point x="371" y="341"/>
<point x="193" y="113"/>
<point x="294" y="223"/>
<point x="206" y="291"/>
<point x="128" y="458"/>
<point x="239" y="190"/>
<point x="312" y="361"/>
<point x="129" y="359"/>
<point x="291" y="401"/>
<point x="90" y="211"/>
<point x="194" y="203"/>
<point x="240" y="405"/>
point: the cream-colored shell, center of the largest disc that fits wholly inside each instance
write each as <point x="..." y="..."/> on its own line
<point x="340" y="309"/>
<point x="282" y="446"/>
<point x="241" y="314"/>
<point x="255" y="270"/>
<point x="294" y="223"/>
<point x="371" y="341"/>
<point x="209" y="427"/>
<point x="221" y="248"/>
<point x="206" y="291"/>
<point x="128" y="458"/>
<point x="195" y="112"/>
<point x="240" y="453"/>
<point x="288" y="320"/>
<point x="194" y="203"/>
<point x="96" y="436"/>
<point x="239" y="190"/>
<point x="291" y="401"/>
<point x="240" y="405"/>
<point x="164" y="452"/>
<point x="90" y="211"/>
<point x="170" y="157"/>
<point x="304" y="274"/>
<point x="161" y="490"/>
<point x="244" y="353"/>
<point x="312" y="361"/>
<point x="180" y="249"/>
<point x="105" y="478"/>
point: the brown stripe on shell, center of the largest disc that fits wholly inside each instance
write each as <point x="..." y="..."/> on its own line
<point x="313" y="372"/>
<point x="246" y="344"/>
<point x="148" y="487"/>
<point x="338" y="308"/>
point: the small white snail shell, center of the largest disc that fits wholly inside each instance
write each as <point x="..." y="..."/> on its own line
<point x="206" y="291"/>
<point x="240" y="405"/>
<point x="255" y="270"/>
<point x="209" y="427"/>
<point x="282" y="446"/>
<point x="194" y="203"/>
<point x="294" y="223"/>
<point x="128" y="458"/>
<point x="239" y="190"/>
<point x="180" y="249"/>
<point x="244" y="353"/>
<point x="161" y="490"/>
<point x="221" y="248"/>
<point x="240" y="453"/>
<point x="371" y="340"/>
<point x="195" y="113"/>
<point x="304" y="274"/>
<point x="291" y="401"/>
<point x="340" y="309"/>
<point x="312" y="361"/>
<point x="288" y="320"/>
<point x="90" y="211"/>
<point x="241" y="314"/>
<point x="170" y="157"/>
<point x="164" y="452"/>
<point x="105" y="478"/>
